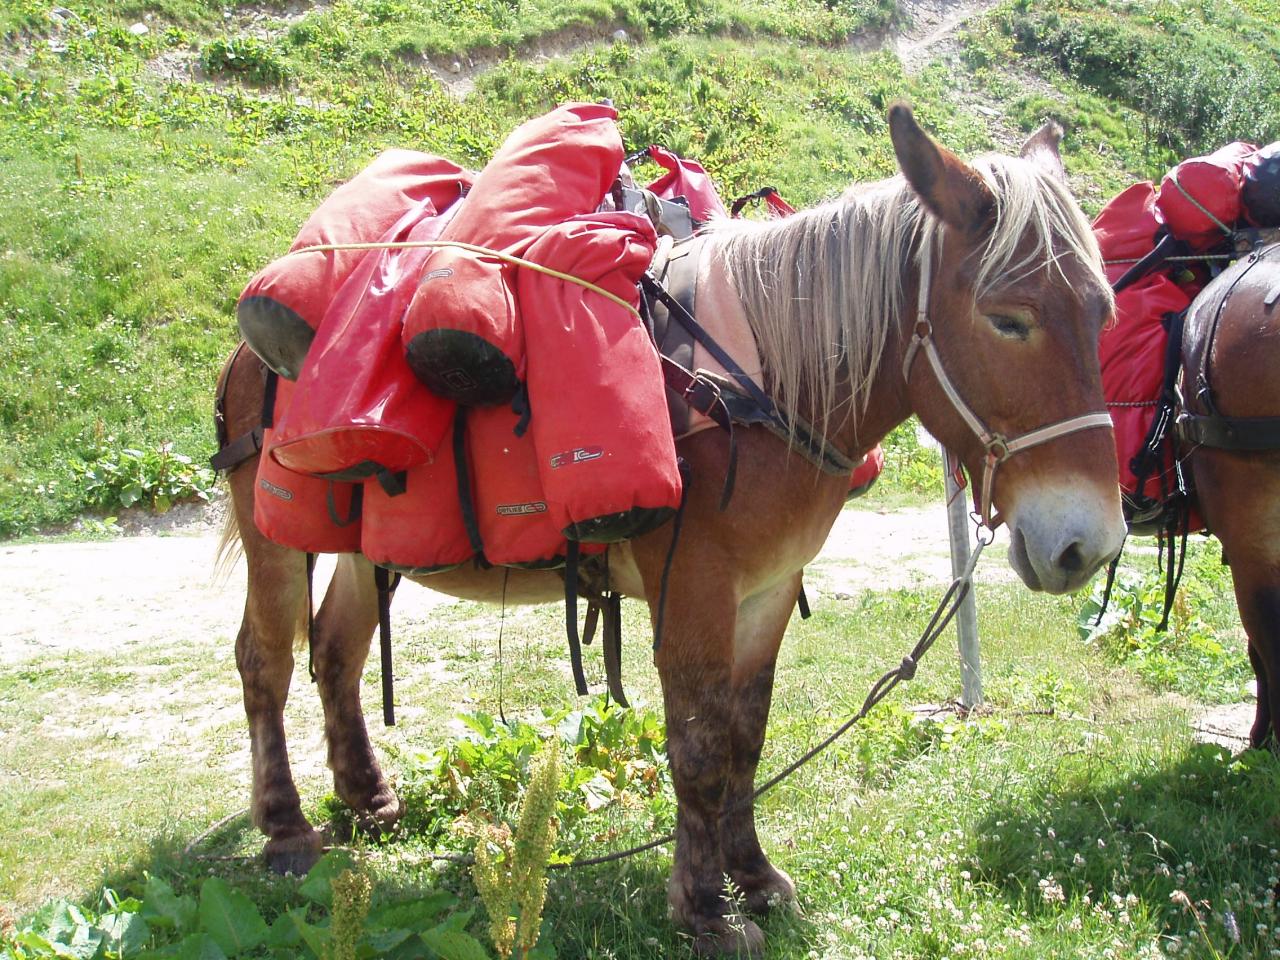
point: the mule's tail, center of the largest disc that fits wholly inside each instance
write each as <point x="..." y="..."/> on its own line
<point x="230" y="546"/>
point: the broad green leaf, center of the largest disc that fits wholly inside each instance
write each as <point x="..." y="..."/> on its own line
<point x="199" y="946"/>
<point x="411" y="914"/>
<point x="383" y="942"/>
<point x="317" y="938"/>
<point x="126" y="932"/>
<point x="317" y="887"/>
<point x="230" y="917"/>
<point x="454" y="944"/>
<point x="161" y="907"/>
<point x="283" y="933"/>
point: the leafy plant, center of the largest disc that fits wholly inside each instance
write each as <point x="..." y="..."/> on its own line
<point x="331" y="919"/>
<point x="249" y="57"/>
<point x="156" y="478"/>
<point x="1187" y="657"/>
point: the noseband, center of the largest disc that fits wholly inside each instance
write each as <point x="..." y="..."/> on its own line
<point x="998" y="447"/>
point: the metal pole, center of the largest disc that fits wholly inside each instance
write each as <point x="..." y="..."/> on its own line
<point x="967" y="616"/>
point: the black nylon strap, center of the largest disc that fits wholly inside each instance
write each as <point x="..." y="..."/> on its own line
<point x="311" y="616"/>
<point x="802" y="604"/>
<point x="571" y="617"/>
<point x="353" y="514"/>
<point x="242" y="448"/>
<point x="686" y="319"/>
<point x="611" y="644"/>
<point x="386" y="586"/>
<point x="465" y="499"/>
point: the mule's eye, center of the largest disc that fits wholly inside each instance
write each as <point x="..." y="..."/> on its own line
<point x="1014" y="328"/>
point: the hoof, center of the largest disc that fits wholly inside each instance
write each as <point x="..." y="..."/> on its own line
<point x="381" y="815"/>
<point x="763" y="893"/>
<point x="296" y="854"/>
<point x="731" y="936"/>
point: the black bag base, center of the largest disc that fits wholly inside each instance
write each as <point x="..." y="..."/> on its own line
<point x="615" y="527"/>
<point x="462" y="367"/>
<point x="275" y="333"/>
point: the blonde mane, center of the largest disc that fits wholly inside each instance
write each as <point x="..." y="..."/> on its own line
<point x="823" y="289"/>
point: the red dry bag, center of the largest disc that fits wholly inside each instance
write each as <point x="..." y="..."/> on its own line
<point x="1201" y="195"/>
<point x="421" y="530"/>
<point x="599" y="417"/>
<point x="358" y="410"/>
<point x="687" y="179"/>
<point x="1126" y="228"/>
<point x="462" y="331"/>
<point x="284" y="303"/>
<point x="1132" y="353"/>
<point x="305" y="513"/>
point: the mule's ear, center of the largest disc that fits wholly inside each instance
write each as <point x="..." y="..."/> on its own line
<point x="1041" y="149"/>
<point x="951" y="189"/>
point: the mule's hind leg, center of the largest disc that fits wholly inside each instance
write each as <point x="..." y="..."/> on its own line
<point x="343" y="629"/>
<point x="762" y="621"/>
<point x="274" y="614"/>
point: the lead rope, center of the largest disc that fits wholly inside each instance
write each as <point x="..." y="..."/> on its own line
<point x="943" y="614"/>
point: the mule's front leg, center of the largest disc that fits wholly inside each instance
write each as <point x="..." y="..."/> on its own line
<point x="695" y="664"/>
<point x="343" y="629"/>
<point x="274" y="612"/>
<point x="761" y="622"/>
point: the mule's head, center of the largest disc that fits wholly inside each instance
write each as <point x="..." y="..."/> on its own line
<point x="1015" y="300"/>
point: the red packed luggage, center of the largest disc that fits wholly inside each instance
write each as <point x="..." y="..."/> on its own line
<point x="1126" y="228"/>
<point x="1132" y="353"/>
<point x="515" y="523"/>
<point x="687" y="178"/>
<point x="283" y="304"/>
<point x="866" y="473"/>
<point x="462" y="332"/>
<point x="599" y="419"/>
<point x="358" y="410"/>
<point x="305" y="513"/>
<point x="421" y="530"/>
<point x="1201" y="195"/>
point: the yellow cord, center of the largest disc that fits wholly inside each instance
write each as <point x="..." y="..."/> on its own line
<point x="472" y="248"/>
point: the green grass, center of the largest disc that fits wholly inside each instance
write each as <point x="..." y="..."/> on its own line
<point x="1058" y="822"/>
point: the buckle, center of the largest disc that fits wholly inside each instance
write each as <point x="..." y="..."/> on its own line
<point x="998" y="449"/>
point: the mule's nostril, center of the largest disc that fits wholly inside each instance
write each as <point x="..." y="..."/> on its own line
<point x="1071" y="560"/>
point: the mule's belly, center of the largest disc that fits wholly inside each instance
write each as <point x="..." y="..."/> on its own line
<point x="497" y="585"/>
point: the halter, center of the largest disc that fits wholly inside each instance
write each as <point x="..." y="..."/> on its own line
<point x="998" y="447"/>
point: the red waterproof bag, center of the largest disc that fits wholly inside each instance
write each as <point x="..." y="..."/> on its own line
<point x="515" y="522"/>
<point x="421" y="530"/>
<point x="605" y="452"/>
<point x="1126" y="228"/>
<point x="1201" y="193"/>
<point x="305" y="513"/>
<point x="358" y="410"/>
<point x="284" y="302"/>
<point x="462" y="332"/>
<point x="688" y="179"/>
<point x="1132" y="354"/>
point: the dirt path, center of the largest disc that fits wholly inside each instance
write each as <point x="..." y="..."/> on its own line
<point x="143" y="589"/>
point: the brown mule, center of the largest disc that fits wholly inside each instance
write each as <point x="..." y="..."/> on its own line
<point x="1231" y="367"/>
<point x="1014" y="304"/>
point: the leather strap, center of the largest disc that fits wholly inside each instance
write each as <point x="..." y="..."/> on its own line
<point x="1229" y="433"/>
<point x="998" y="447"/>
